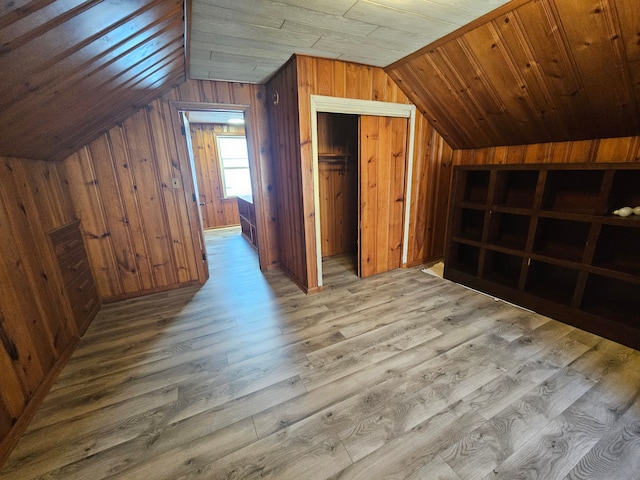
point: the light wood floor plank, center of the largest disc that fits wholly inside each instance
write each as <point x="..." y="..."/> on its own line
<point x="490" y="444"/>
<point x="409" y="454"/>
<point x="398" y="376"/>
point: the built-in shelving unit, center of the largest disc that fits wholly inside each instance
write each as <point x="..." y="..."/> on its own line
<point x="544" y="237"/>
<point x="247" y="213"/>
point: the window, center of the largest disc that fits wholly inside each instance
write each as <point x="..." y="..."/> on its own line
<point x="234" y="164"/>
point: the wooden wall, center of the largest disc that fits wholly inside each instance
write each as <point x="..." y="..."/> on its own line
<point x="141" y="232"/>
<point x="135" y="224"/>
<point x="217" y="211"/>
<point x="531" y="72"/>
<point x="432" y="170"/>
<point x="624" y="149"/>
<point x="37" y="331"/>
<point x="304" y="76"/>
<point x="282" y="91"/>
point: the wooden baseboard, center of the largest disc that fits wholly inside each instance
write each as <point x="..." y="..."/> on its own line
<point x="423" y="261"/>
<point x="304" y="288"/>
<point x="141" y="293"/>
<point x="7" y="443"/>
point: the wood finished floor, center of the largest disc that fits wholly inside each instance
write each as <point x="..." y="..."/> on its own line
<point x="402" y="375"/>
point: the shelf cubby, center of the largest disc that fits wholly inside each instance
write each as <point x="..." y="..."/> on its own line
<point x="613" y="299"/>
<point x="516" y="188"/>
<point x="552" y="282"/>
<point x="563" y="239"/>
<point x="476" y="187"/>
<point x="464" y="258"/>
<point x="574" y="191"/>
<point x="469" y="224"/>
<point x="618" y="249"/>
<point x="502" y="268"/>
<point x="625" y="190"/>
<point x="508" y="230"/>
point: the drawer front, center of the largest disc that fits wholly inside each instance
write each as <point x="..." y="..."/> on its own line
<point x="86" y="308"/>
<point x="79" y="287"/>
<point x="72" y="265"/>
<point x="66" y="240"/>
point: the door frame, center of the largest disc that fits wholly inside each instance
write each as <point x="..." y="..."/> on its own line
<point x="322" y="103"/>
<point x="186" y="158"/>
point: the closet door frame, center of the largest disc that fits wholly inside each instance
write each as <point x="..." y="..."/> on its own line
<point x="320" y="103"/>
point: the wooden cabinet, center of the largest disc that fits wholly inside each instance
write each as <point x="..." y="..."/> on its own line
<point x="544" y="237"/>
<point x="248" y="220"/>
<point x="77" y="280"/>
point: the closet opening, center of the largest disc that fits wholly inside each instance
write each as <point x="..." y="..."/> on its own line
<point x="338" y="190"/>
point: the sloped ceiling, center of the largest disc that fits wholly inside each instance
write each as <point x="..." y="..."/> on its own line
<point x="538" y="71"/>
<point x="532" y="71"/>
<point x="72" y="68"/>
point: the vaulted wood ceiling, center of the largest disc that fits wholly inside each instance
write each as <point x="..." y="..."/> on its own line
<point x="537" y="71"/>
<point x="533" y="71"/>
<point x="71" y="68"/>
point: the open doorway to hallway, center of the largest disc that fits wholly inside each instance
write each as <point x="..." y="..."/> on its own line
<point x="222" y="171"/>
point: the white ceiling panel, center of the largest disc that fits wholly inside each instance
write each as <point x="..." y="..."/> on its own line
<point x="248" y="40"/>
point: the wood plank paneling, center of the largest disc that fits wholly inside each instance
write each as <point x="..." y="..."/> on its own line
<point x="430" y="195"/>
<point x="531" y="72"/>
<point x="73" y="68"/>
<point x="286" y="141"/>
<point x="217" y="211"/>
<point x="118" y="189"/>
<point x="141" y="232"/>
<point x="348" y="80"/>
<point x="606" y="150"/>
<point x="382" y="158"/>
<point x="37" y="330"/>
<point x="338" y="187"/>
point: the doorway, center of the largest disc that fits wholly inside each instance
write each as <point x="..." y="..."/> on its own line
<point x="338" y="186"/>
<point x="381" y="208"/>
<point x="221" y="159"/>
<point x="361" y="172"/>
<point x="202" y="113"/>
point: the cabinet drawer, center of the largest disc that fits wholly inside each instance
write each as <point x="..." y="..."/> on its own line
<point x="72" y="265"/>
<point x="66" y="240"/>
<point x="81" y="285"/>
<point x="86" y="308"/>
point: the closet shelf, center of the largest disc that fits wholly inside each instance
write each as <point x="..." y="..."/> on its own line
<point x="334" y="157"/>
